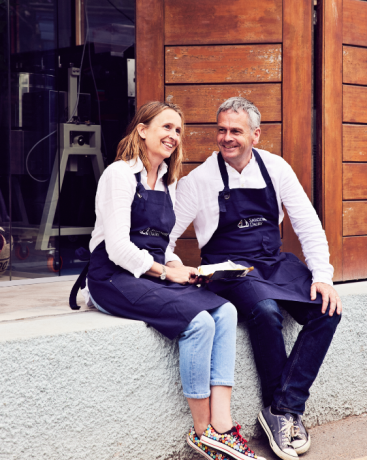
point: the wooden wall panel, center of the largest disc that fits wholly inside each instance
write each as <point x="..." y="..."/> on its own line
<point x="354" y="22"/>
<point x="355" y="256"/>
<point x="200" y="140"/>
<point x="297" y="81"/>
<point x="149" y="51"/>
<point x="355" y="65"/>
<point x="329" y="79"/>
<point x="354" y="104"/>
<point x="224" y="64"/>
<point x="200" y="103"/>
<point x="354" y="218"/>
<point x="202" y="22"/>
<point x="188" y="251"/>
<point x="355" y="181"/>
<point x="355" y="143"/>
<point x="187" y="168"/>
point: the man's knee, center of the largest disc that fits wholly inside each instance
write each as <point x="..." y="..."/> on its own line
<point x="267" y="311"/>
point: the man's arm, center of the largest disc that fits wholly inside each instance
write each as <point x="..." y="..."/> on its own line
<point x="186" y="208"/>
<point x="308" y="228"/>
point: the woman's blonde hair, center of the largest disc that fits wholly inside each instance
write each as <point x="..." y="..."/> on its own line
<point x="133" y="146"/>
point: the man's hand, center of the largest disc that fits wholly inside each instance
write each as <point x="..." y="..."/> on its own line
<point x="329" y="294"/>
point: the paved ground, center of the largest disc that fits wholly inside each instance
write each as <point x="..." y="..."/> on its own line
<point x="342" y="440"/>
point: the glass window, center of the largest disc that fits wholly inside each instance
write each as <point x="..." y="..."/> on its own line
<point x="67" y="95"/>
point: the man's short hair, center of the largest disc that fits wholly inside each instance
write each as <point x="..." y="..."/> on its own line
<point x="240" y="103"/>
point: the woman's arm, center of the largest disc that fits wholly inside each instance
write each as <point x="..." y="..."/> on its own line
<point x="175" y="272"/>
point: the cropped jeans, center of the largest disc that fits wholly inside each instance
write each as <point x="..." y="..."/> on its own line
<point x="207" y="350"/>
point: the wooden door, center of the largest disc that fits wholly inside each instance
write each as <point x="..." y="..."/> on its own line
<point x="199" y="53"/>
<point x="342" y="134"/>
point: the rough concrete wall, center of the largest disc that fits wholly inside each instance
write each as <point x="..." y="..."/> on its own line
<point x="116" y="393"/>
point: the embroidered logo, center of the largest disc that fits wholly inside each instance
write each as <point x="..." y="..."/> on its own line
<point x="151" y="232"/>
<point x="251" y="222"/>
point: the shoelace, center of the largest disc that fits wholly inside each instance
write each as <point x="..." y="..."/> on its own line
<point x="242" y="440"/>
<point x="287" y="431"/>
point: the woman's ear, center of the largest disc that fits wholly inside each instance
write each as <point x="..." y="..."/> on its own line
<point x="141" y="130"/>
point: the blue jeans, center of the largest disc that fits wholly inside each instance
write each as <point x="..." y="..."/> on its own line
<point x="286" y="381"/>
<point x="208" y="351"/>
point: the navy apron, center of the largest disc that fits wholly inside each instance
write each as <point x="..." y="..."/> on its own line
<point x="248" y="234"/>
<point x="168" y="307"/>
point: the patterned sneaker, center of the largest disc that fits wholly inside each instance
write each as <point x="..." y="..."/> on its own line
<point x="211" y="454"/>
<point x="232" y="444"/>
<point x="301" y="440"/>
<point x="279" y="429"/>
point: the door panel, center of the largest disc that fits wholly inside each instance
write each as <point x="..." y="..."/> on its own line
<point x="354" y="143"/>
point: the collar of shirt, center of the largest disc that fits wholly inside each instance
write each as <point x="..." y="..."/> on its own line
<point x="136" y="166"/>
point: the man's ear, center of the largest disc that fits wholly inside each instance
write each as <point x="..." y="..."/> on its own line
<point x="141" y="130"/>
<point x="256" y="136"/>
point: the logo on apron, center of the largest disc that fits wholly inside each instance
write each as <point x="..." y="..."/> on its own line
<point x="251" y="222"/>
<point x="151" y="232"/>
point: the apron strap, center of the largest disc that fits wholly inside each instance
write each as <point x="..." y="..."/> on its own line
<point x="225" y="194"/>
<point x="79" y="283"/>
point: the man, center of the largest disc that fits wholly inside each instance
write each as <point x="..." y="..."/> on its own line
<point x="235" y="201"/>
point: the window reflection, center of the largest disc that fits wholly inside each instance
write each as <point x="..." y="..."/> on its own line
<point x="69" y="106"/>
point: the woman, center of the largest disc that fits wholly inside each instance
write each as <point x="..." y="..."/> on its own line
<point x="132" y="273"/>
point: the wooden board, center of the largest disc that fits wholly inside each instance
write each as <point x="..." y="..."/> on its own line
<point x="187" y="168"/>
<point x="354" y="258"/>
<point x="149" y="51"/>
<point x="354" y="104"/>
<point x="355" y="22"/>
<point x="200" y="103"/>
<point x="200" y="140"/>
<point x="202" y="22"/>
<point x="355" y="143"/>
<point x="355" y="181"/>
<point x="329" y="100"/>
<point x="297" y="90"/>
<point x="189" y="232"/>
<point x="354" y="218"/>
<point x="355" y="65"/>
<point x="188" y="251"/>
<point x="223" y="64"/>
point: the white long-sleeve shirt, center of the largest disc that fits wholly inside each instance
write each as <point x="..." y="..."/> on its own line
<point x="115" y="194"/>
<point x="197" y="202"/>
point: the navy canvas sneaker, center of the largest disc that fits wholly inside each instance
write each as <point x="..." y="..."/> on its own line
<point x="279" y="429"/>
<point x="301" y="440"/>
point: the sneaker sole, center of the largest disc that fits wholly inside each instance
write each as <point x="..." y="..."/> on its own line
<point x="303" y="449"/>
<point x="223" y="448"/>
<point x="274" y="446"/>
<point x="194" y="446"/>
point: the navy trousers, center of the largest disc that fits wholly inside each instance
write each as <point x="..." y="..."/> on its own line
<point x="286" y="381"/>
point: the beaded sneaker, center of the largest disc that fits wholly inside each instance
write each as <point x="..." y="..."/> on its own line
<point x="232" y="444"/>
<point x="301" y="440"/>
<point x="211" y="454"/>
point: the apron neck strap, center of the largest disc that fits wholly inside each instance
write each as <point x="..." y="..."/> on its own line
<point x="223" y="170"/>
<point x="138" y="177"/>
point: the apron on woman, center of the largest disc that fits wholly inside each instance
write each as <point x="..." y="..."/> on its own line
<point x="168" y="307"/>
<point x="248" y="234"/>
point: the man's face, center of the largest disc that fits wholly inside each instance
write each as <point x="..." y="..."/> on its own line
<point x="235" y="138"/>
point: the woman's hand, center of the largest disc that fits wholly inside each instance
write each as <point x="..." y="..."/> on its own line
<point x="181" y="274"/>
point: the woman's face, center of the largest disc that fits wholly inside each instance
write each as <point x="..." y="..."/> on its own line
<point x="162" y="136"/>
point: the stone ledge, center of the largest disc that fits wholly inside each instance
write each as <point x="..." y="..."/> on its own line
<point x="88" y="386"/>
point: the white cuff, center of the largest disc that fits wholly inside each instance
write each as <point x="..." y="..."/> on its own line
<point x="147" y="264"/>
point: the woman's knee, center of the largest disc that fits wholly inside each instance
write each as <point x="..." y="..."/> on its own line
<point x="202" y="324"/>
<point x="225" y="314"/>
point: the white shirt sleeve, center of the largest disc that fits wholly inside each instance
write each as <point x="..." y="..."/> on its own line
<point x="306" y="225"/>
<point x="116" y="190"/>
